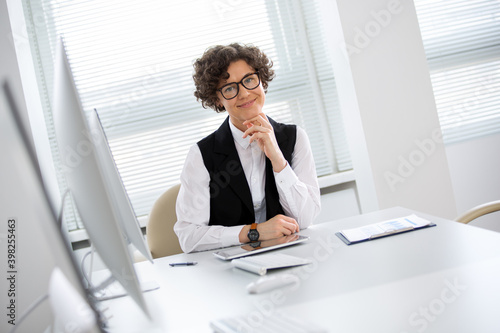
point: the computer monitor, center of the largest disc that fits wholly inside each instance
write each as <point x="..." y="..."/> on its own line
<point x="86" y="181"/>
<point x="114" y="185"/>
<point x="24" y="195"/>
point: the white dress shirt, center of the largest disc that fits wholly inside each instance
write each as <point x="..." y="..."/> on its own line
<point x="297" y="187"/>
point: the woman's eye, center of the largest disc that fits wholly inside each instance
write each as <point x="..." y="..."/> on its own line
<point x="228" y="89"/>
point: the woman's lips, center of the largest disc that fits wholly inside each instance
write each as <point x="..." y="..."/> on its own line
<point x="247" y="104"/>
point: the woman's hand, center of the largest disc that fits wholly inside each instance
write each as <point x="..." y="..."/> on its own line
<point x="260" y="130"/>
<point x="278" y="226"/>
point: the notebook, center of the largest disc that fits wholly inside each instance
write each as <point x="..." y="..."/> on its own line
<point x="259" y="247"/>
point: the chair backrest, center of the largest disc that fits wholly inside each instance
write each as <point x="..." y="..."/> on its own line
<point x="160" y="235"/>
<point x="478" y="211"/>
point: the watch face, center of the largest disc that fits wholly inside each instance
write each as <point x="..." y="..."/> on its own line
<point x="253" y="235"/>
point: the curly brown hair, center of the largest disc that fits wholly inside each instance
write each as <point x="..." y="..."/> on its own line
<point x="213" y="64"/>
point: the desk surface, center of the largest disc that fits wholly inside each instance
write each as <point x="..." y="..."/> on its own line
<point x="440" y="279"/>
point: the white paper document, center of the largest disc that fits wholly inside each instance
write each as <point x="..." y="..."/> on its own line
<point x="385" y="228"/>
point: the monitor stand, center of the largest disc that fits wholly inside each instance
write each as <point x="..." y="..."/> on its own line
<point x="109" y="288"/>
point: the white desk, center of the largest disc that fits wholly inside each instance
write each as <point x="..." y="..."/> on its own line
<point x="440" y="279"/>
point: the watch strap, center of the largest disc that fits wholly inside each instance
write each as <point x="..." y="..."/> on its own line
<point x="253" y="234"/>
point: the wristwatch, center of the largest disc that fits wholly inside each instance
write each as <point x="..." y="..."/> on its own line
<point x="253" y="234"/>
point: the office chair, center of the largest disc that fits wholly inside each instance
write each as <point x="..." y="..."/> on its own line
<point x="160" y="235"/>
<point x="478" y="211"/>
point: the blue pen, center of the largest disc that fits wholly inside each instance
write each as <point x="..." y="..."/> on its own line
<point x="189" y="263"/>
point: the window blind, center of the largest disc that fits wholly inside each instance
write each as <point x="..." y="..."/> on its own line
<point x="462" y="44"/>
<point x="132" y="61"/>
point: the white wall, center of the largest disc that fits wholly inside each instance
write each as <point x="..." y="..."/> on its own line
<point x="386" y="97"/>
<point x="473" y="165"/>
<point x="338" y="201"/>
<point x="475" y="175"/>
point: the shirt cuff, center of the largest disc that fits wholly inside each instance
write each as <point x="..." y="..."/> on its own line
<point x="230" y="236"/>
<point x="286" y="178"/>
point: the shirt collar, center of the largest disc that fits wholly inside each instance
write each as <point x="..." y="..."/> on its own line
<point x="238" y="136"/>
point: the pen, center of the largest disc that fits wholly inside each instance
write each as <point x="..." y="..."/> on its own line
<point x="189" y="263"/>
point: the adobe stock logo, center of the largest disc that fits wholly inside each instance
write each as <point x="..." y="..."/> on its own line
<point x="408" y="165"/>
<point x="72" y="157"/>
<point x="425" y="315"/>
<point x="227" y="6"/>
<point x="372" y="29"/>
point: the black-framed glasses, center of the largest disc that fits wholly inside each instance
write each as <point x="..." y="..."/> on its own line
<point x="231" y="90"/>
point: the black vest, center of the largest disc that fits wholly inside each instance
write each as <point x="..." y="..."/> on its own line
<point x="230" y="197"/>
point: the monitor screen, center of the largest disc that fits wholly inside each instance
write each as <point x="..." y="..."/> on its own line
<point x="86" y="181"/>
<point x="114" y="185"/>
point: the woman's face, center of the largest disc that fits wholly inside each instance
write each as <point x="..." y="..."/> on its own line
<point x="248" y="103"/>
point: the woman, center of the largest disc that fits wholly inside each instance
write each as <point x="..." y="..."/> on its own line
<point x="252" y="179"/>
